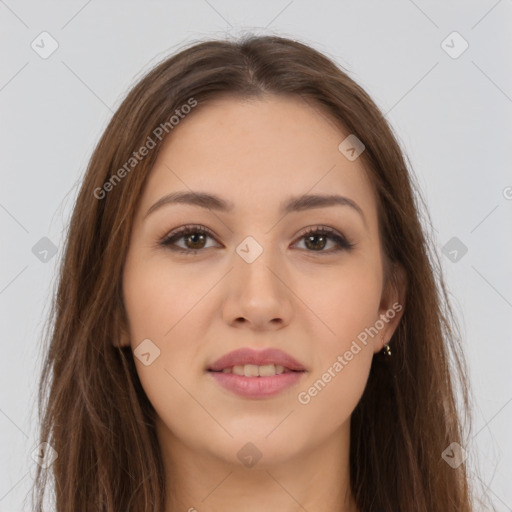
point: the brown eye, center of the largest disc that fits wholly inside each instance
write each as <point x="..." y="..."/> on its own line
<point x="316" y="242"/>
<point x="194" y="239"/>
<point x="316" y="239"/>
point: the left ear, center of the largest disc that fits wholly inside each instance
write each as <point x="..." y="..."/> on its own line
<point x="392" y="304"/>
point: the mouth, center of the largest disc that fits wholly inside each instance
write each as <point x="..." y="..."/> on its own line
<point x="256" y="374"/>
<point x="254" y="363"/>
<point x="253" y="370"/>
<point x="256" y="382"/>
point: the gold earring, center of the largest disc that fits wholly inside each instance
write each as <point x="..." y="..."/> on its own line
<point x="386" y="350"/>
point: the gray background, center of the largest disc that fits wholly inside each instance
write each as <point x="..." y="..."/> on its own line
<point x="452" y="117"/>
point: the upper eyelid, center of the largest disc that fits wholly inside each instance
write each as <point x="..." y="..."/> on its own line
<point x="188" y="227"/>
<point x="178" y="233"/>
<point x="199" y="227"/>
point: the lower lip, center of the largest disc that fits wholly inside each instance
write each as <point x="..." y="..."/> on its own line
<point x="256" y="387"/>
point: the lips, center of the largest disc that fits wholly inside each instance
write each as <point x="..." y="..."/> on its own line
<point x="245" y="356"/>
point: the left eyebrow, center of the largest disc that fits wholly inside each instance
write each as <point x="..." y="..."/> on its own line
<point x="293" y="204"/>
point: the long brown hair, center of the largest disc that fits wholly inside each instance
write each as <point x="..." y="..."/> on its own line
<point x="93" y="410"/>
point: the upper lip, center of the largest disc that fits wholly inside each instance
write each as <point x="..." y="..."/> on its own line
<point x="245" y="356"/>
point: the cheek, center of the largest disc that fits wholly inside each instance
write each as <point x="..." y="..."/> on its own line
<point x="164" y="304"/>
<point x="160" y="307"/>
<point x="157" y="297"/>
<point x="333" y="393"/>
<point x="348" y="302"/>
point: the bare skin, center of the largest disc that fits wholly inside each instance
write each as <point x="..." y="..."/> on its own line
<point x="304" y="298"/>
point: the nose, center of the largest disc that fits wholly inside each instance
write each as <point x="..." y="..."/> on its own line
<point x="258" y="294"/>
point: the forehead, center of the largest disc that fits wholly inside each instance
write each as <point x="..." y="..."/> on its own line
<point x="257" y="152"/>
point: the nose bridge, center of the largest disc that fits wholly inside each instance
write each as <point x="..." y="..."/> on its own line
<point x="256" y="291"/>
<point x="253" y="263"/>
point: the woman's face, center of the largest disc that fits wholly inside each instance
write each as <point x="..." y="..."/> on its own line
<point x="253" y="277"/>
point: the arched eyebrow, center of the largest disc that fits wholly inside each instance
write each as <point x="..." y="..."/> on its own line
<point x="293" y="204"/>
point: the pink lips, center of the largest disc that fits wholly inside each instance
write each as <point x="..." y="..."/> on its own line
<point x="256" y="387"/>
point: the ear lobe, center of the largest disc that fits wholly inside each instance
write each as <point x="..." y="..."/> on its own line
<point x="123" y="341"/>
<point x="392" y="305"/>
<point x="121" y="337"/>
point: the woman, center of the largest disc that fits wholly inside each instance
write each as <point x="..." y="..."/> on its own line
<point x="249" y="315"/>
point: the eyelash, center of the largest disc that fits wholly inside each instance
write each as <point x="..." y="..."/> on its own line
<point x="168" y="240"/>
